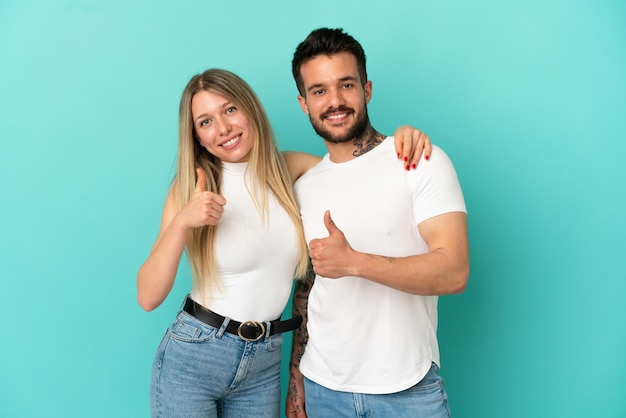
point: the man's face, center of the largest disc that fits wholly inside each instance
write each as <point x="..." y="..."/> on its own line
<point x="335" y="97"/>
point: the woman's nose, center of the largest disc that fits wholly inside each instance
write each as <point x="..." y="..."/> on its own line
<point x="224" y="126"/>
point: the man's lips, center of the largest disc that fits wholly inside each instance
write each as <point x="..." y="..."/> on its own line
<point x="337" y="115"/>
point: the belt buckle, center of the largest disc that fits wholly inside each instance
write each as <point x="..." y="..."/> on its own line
<point x="251" y="324"/>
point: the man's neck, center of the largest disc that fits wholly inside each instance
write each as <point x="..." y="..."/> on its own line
<point x="349" y="150"/>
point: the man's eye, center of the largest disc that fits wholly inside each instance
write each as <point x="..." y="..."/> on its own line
<point x="347" y="85"/>
<point x="318" y="92"/>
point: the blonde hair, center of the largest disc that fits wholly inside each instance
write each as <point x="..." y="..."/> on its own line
<point x="266" y="166"/>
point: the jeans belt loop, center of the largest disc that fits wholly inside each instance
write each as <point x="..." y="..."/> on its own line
<point x="268" y="329"/>
<point x="222" y="328"/>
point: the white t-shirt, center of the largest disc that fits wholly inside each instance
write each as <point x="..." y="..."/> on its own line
<point x="363" y="336"/>
<point x="256" y="259"/>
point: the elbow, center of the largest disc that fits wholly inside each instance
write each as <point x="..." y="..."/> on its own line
<point x="146" y="303"/>
<point x="460" y="287"/>
<point x="147" y="296"/>
<point x="459" y="280"/>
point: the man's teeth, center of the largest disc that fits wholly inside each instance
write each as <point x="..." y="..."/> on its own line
<point x="231" y="142"/>
<point x="342" y="115"/>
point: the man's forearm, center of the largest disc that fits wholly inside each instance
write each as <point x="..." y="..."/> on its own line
<point x="295" y="402"/>
<point x="300" y="307"/>
<point x="443" y="270"/>
<point x="435" y="273"/>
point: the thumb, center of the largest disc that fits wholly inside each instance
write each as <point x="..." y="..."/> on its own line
<point x="201" y="181"/>
<point x="330" y="225"/>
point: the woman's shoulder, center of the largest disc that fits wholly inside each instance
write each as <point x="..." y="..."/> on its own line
<point x="299" y="163"/>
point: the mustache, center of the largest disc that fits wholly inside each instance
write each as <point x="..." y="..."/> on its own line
<point x="337" y="109"/>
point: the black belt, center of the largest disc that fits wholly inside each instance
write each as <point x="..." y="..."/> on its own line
<point x="249" y="330"/>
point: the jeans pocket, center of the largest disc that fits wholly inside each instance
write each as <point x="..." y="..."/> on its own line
<point x="189" y="329"/>
<point x="430" y="382"/>
<point x="275" y="342"/>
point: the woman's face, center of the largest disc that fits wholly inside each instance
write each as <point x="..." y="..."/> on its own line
<point x="221" y="127"/>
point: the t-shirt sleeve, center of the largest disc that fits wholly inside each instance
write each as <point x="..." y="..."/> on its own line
<point x="435" y="187"/>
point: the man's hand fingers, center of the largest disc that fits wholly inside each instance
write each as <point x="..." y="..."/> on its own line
<point x="330" y="225"/>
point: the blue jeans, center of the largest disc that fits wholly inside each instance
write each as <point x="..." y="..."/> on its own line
<point x="201" y="371"/>
<point x="427" y="399"/>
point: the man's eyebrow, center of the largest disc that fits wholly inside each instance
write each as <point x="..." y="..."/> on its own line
<point x="314" y="86"/>
<point x="341" y="80"/>
<point x="348" y="78"/>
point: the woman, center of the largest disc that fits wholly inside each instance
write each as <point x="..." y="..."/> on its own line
<point x="221" y="356"/>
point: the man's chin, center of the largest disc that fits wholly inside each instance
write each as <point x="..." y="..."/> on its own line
<point x="333" y="136"/>
<point x="337" y="140"/>
<point x="339" y="134"/>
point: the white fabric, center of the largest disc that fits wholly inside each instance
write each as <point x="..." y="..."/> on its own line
<point x="365" y="337"/>
<point x="256" y="260"/>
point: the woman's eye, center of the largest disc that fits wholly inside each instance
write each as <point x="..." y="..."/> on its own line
<point x="205" y="122"/>
<point x="231" y="109"/>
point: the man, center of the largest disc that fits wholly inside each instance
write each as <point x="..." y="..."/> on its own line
<point x="384" y="243"/>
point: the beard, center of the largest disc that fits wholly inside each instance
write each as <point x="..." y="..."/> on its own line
<point x="355" y="131"/>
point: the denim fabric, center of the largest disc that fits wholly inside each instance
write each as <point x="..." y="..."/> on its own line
<point x="427" y="399"/>
<point x="200" y="371"/>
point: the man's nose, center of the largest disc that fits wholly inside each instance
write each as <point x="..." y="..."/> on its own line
<point x="335" y="98"/>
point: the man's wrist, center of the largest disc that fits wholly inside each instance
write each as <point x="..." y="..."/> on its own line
<point x="359" y="261"/>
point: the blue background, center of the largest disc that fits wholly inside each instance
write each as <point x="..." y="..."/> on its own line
<point x="527" y="97"/>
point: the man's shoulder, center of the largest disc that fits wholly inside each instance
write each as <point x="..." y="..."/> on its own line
<point x="314" y="171"/>
<point x="438" y="160"/>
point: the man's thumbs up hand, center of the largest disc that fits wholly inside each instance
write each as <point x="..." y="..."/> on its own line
<point x="330" y="225"/>
<point x="332" y="256"/>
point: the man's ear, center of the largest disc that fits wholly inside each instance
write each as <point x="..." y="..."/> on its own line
<point x="368" y="91"/>
<point x="303" y="104"/>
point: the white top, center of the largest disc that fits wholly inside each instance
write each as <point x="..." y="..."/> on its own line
<point x="256" y="260"/>
<point x="363" y="336"/>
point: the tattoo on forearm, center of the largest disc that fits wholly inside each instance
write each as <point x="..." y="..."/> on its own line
<point x="367" y="141"/>
<point x="300" y="307"/>
<point x="300" y="338"/>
